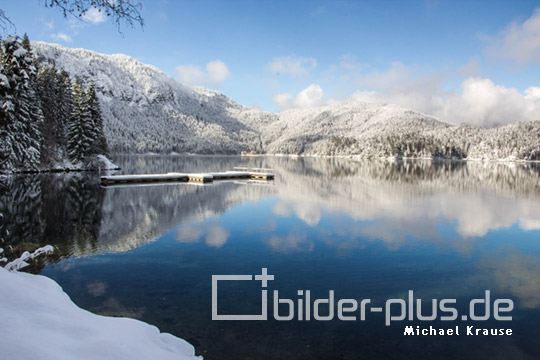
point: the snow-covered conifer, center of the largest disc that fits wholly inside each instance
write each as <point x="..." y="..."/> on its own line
<point x="79" y="129"/>
<point x="99" y="143"/>
<point x="20" y="113"/>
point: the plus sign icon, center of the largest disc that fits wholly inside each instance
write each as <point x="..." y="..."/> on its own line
<point x="263" y="277"/>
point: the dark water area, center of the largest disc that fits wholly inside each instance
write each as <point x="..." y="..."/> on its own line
<point x="364" y="230"/>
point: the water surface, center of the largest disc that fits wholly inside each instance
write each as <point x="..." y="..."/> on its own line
<point x="363" y="229"/>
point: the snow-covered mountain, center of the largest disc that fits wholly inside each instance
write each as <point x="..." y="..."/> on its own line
<point x="145" y="110"/>
<point x="310" y="130"/>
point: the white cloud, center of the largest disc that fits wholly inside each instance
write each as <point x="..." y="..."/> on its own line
<point x="481" y="102"/>
<point x="533" y="93"/>
<point x="215" y="73"/>
<point x="94" y="16"/>
<point x="311" y="96"/>
<point x="293" y="65"/>
<point x="190" y="74"/>
<point x="62" y="37"/>
<point x="404" y="86"/>
<point x="486" y="103"/>
<point x="283" y="100"/>
<point x="520" y="42"/>
<point x="478" y="101"/>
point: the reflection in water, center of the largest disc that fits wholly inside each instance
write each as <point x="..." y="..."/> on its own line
<point x="214" y="234"/>
<point x="62" y="210"/>
<point x="442" y="229"/>
<point x="291" y="243"/>
<point x="405" y="195"/>
<point x="394" y="201"/>
<point x="97" y="288"/>
<point x="515" y="273"/>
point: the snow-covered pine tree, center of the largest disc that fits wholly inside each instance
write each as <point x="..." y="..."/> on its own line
<point x="54" y="91"/>
<point x="99" y="143"/>
<point x="65" y="105"/>
<point x="47" y="90"/>
<point x="20" y="114"/>
<point x="79" y="129"/>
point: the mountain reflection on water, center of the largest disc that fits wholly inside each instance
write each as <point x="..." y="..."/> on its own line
<point x="404" y="225"/>
<point x="400" y="199"/>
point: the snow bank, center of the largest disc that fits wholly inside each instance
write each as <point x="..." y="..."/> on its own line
<point x="39" y="321"/>
<point x="20" y="263"/>
<point x="107" y="164"/>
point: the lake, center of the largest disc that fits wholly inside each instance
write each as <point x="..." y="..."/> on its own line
<point x="362" y="229"/>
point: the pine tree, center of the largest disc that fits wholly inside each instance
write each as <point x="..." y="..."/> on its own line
<point x="26" y="43"/>
<point x="99" y="143"/>
<point x="54" y="91"/>
<point x="79" y="130"/>
<point x="47" y="90"/>
<point x="20" y="114"/>
<point x="65" y="105"/>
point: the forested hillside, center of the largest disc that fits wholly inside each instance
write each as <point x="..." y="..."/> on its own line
<point x="61" y="107"/>
<point x="47" y="120"/>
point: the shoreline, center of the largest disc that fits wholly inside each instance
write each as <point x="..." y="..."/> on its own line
<point x="390" y="159"/>
<point x="355" y="157"/>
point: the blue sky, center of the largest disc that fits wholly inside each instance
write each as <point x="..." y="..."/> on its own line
<point x="437" y="57"/>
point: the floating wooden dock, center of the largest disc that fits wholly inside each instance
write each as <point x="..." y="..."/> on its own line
<point x="181" y="177"/>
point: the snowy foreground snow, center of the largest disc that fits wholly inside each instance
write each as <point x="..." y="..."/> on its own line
<point x="39" y="321"/>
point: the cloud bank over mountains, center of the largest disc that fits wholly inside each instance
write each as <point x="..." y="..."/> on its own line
<point x="459" y="94"/>
<point x="479" y="102"/>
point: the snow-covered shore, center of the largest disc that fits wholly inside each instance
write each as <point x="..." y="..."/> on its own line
<point x="39" y="321"/>
<point x="98" y="163"/>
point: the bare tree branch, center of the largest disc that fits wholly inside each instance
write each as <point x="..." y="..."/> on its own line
<point x="5" y="22"/>
<point x="118" y="10"/>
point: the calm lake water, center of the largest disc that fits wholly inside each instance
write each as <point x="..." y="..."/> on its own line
<point x="366" y="230"/>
